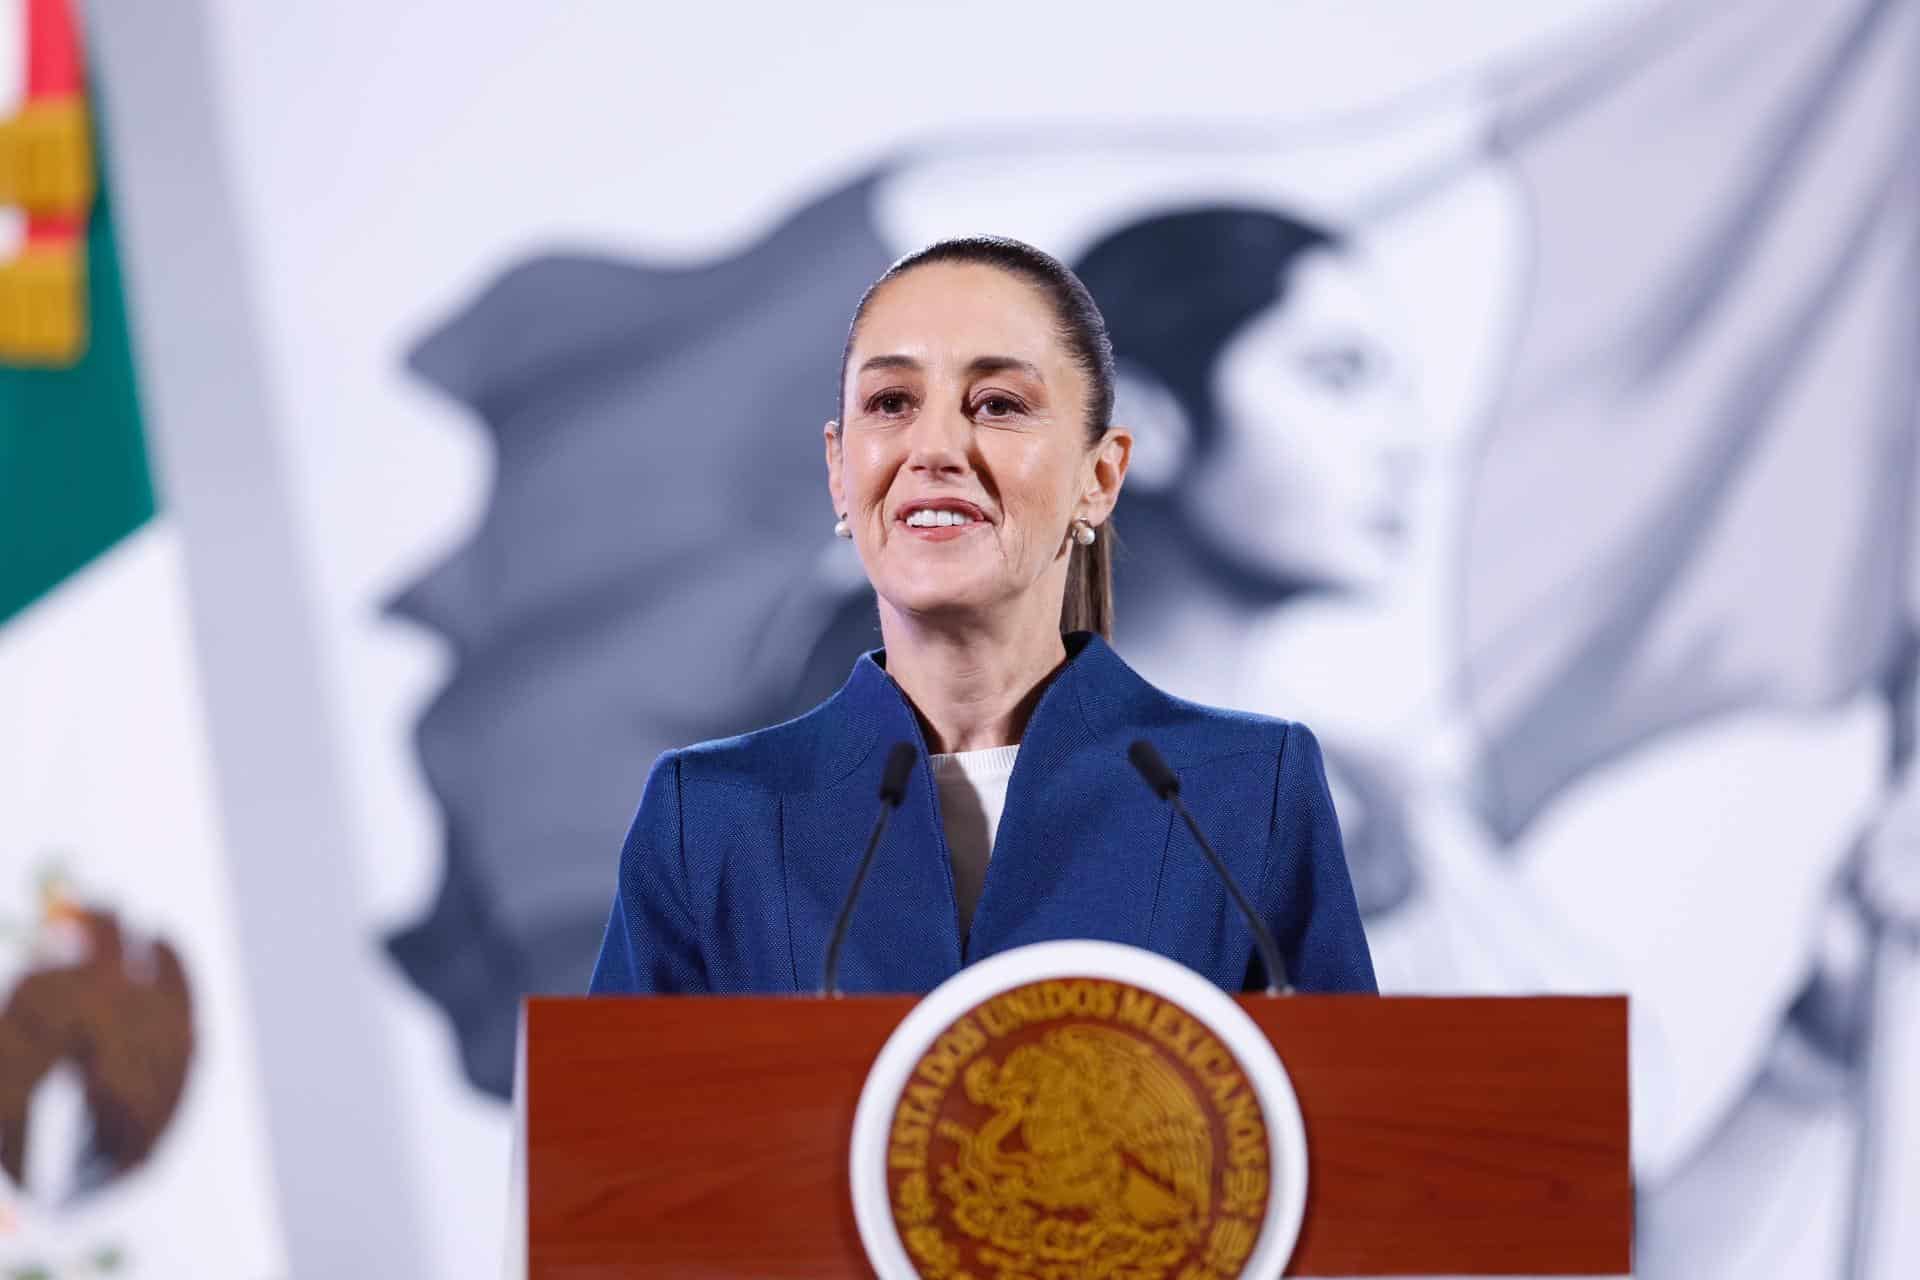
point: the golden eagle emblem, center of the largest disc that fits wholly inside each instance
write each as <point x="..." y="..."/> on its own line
<point x="1109" y="1141"/>
<point x="116" y="1011"/>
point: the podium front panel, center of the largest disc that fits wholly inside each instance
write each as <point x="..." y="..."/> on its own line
<point x="693" y="1137"/>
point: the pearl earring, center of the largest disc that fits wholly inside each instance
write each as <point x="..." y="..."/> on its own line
<point x="841" y="529"/>
<point x="1083" y="533"/>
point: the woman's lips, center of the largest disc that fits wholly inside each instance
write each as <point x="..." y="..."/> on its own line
<point x="942" y="532"/>
<point x="940" y="519"/>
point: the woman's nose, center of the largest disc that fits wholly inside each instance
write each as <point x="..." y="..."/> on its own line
<point x="939" y="442"/>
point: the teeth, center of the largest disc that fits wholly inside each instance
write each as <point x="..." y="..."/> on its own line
<point x="926" y="518"/>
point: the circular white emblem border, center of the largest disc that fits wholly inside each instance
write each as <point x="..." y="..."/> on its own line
<point x="1286" y="1134"/>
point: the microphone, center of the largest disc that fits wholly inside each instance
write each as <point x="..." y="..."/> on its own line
<point x="1166" y="784"/>
<point x="893" y="789"/>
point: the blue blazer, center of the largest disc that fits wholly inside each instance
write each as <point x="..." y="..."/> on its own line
<point x="743" y="848"/>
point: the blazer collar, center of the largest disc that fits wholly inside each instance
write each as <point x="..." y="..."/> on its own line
<point x="1090" y="707"/>
<point x="1092" y="691"/>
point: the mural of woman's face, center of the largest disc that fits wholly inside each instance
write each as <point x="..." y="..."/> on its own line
<point x="1308" y="476"/>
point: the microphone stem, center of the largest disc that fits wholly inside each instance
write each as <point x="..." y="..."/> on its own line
<point x="1263" y="940"/>
<point x="830" y="972"/>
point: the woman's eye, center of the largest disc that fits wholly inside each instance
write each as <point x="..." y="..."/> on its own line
<point x="997" y="407"/>
<point x="1341" y="368"/>
<point x="889" y="403"/>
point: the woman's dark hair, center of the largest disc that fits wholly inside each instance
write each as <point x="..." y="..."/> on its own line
<point x="1176" y="287"/>
<point x="1088" y="605"/>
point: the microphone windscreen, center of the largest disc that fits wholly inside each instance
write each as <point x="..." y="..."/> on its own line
<point x="1162" y="779"/>
<point x="893" y="780"/>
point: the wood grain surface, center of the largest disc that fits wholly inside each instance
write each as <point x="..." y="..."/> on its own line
<point x="708" y="1136"/>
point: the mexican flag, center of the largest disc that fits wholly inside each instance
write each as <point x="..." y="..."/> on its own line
<point x="131" y="1134"/>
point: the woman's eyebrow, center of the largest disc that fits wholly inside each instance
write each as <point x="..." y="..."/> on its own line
<point x="976" y="367"/>
<point x="980" y="365"/>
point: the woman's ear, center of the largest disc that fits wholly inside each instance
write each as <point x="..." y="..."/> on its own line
<point x="1162" y="431"/>
<point x="1111" y="458"/>
<point x="832" y="434"/>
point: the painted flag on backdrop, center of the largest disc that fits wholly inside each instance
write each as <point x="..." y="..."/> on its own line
<point x="1727" y="349"/>
<point x="1712" y="405"/>
<point x="130" y="1125"/>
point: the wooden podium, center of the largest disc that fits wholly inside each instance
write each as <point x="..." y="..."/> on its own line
<point x="693" y="1137"/>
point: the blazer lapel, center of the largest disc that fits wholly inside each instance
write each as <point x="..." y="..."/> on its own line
<point x="1082" y="840"/>
<point x="904" y="934"/>
<point x="1080" y="852"/>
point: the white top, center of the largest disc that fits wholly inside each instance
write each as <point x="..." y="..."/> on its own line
<point x="973" y="791"/>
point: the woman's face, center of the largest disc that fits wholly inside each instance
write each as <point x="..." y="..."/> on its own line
<point x="1309" y="475"/>
<point x="962" y="404"/>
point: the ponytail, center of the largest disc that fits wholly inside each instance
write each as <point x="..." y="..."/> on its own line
<point x="1088" y="604"/>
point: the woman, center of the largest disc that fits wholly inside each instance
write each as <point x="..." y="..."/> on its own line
<point x="1273" y="461"/>
<point x="1228" y="319"/>
<point x="1258" y="349"/>
<point x="974" y="466"/>
<point x="1261" y="378"/>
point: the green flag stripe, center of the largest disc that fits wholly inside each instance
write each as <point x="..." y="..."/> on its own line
<point x="73" y="464"/>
